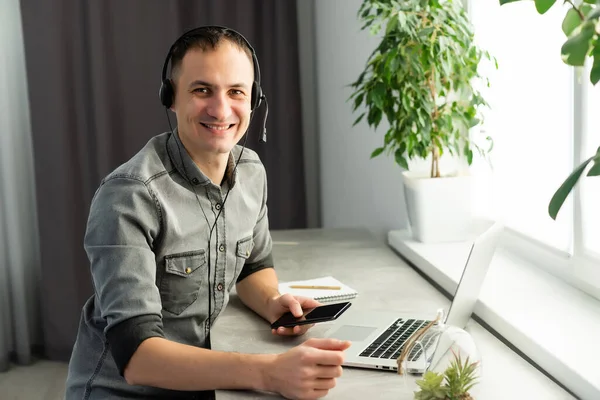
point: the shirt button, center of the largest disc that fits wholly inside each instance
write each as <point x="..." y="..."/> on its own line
<point x="188" y="270"/>
<point x="222" y="248"/>
<point x="218" y="206"/>
<point x="195" y="181"/>
<point x="220" y="287"/>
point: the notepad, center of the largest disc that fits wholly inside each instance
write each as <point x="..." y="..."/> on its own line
<point x="344" y="293"/>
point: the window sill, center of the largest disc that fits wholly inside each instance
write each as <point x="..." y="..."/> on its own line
<point x="553" y="324"/>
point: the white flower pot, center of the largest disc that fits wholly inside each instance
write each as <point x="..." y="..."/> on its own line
<point x="439" y="209"/>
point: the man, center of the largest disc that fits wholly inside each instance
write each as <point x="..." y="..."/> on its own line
<point x="169" y="234"/>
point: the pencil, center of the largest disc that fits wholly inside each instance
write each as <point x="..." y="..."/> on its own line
<point x="315" y="287"/>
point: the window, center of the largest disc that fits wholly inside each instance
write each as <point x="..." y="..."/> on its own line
<point x="530" y="119"/>
<point x="540" y="131"/>
<point x="590" y="187"/>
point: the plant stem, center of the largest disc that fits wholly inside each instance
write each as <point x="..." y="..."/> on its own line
<point x="432" y="163"/>
<point x="435" y="166"/>
<point x="576" y="9"/>
<point x="432" y="90"/>
<point x="435" y="170"/>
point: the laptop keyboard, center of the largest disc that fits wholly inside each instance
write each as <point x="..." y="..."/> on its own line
<point x="391" y="342"/>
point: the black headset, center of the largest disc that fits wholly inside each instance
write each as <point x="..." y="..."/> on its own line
<point x="167" y="92"/>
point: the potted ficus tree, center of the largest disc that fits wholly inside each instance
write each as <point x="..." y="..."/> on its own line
<point x="581" y="27"/>
<point x="422" y="78"/>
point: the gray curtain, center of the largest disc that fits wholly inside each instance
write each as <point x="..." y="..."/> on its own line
<point x="94" y="71"/>
<point x="20" y="329"/>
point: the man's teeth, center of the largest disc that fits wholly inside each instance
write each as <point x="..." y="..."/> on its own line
<point x="218" y="128"/>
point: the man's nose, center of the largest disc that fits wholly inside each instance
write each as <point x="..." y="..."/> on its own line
<point x="219" y="107"/>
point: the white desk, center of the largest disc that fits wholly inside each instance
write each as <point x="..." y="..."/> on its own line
<point x="384" y="282"/>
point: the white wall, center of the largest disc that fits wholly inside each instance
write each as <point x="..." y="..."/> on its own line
<point x="355" y="191"/>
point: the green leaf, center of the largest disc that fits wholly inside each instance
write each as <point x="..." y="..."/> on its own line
<point x="391" y="25"/>
<point x="358" y="100"/>
<point x="358" y="119"/>
<point x="374" y="117"/>
<point x="575" y="49"/>
<point x="585" y="9"/>
<point x="474" y="122"/>
<point x="491" y="142"/>
<point x="595" y="72"/>
<point x="377" y="152"/>
<point x="402" y="20"/>
<point x="544" y="5"/>
<point x="426" y="32"/>
<point x="594" y="14"/>
<point x="359" y="79"/>
<point x="365" y="12"/>
<point x="502" y="2"/>
<point x="402" y="147"/>
<point x="590" y="1"/>
<point x="379" y="94"/>
<point x="563" y="191"/>
<point x="400" y="160"/>
<point x="595" y="170"/>
<point x="571" y="21"/>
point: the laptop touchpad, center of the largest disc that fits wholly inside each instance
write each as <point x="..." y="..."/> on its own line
<point x="353" y="332"/>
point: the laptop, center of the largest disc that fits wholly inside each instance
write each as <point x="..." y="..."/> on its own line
<point x="378" y="337"/>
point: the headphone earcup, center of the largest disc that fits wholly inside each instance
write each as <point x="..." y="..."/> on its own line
<point x="256" y="98"/>
<point x="166" y="93"/>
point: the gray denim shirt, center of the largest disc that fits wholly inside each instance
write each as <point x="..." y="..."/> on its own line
<point x="147" y="241"/>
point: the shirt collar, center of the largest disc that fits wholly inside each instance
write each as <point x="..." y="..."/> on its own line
<point x="188" y="168"/>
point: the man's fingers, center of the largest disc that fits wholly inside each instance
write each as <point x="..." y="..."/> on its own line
<point x="328" y="357"/>
<point x="285" y="331"/>
<point x="318" y="393"/>
<point x="328" y="371"/>
<point x="324" y="383"/>
<point x="307" y="302"/>
<point x="288" y="301"/>
<point x="328" y="343"/>
<point x="301" y="329"/>
<point x="295" y="331"/>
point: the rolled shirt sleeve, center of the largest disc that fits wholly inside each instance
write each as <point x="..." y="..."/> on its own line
<point x="261" y="256"/>
<point x="123" y="223"/>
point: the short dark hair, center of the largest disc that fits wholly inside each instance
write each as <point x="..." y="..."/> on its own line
<point x="206" y="38"/>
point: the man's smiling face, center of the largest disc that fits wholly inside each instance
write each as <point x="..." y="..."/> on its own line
<point x="212" y="98"/>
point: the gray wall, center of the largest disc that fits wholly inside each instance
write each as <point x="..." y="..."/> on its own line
<point x="310" y="112"/>
<point x="354" y="190"/>
<point x="19" y="243"/>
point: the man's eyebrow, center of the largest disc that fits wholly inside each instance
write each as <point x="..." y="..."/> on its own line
<point x="198" y="82"/>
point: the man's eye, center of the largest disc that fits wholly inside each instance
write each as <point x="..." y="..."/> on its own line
<point x="200" y="90"/>
<point x="236" y="92"/>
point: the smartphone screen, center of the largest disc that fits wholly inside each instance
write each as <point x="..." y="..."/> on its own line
<point x="324" y="313"/>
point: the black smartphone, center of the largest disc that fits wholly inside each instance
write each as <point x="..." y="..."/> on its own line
<point x="327" y="312"/>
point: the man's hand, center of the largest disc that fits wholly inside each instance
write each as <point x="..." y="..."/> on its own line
<point x="307" y="371"/>
<point x="295" y="304"/>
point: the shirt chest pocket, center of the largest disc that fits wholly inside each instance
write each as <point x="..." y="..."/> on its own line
<point x="181" y="280"/>
<point x="243" y="249"/>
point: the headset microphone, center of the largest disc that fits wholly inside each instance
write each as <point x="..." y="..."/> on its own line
<point x="263" y="134"/>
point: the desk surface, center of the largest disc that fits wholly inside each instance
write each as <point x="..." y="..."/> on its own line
<point x="384" y="282"/>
